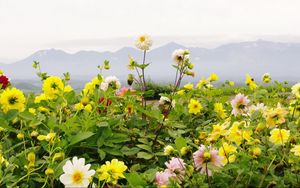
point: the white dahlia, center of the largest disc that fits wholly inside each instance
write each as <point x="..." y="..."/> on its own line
<point x="143" y="42"/>
<point x="112" y="82"/>
<point x="76" y="173"/>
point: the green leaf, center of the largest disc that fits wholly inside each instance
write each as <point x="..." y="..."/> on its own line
<point x="102" y="154"/>
<point x="80" y="137"/>
<point x="180" y="143"/>
<point x="113" y="151"/>
<point x="10" y="115"/>
<point x="129" y="151"/>
<point x="118" y="138"/>
<point x="145" y="155"/>
<point x="135" y="180"/>
<point x="58" y="170"/>
<point x="145" y="147"/>
<point x="26" y="115"/>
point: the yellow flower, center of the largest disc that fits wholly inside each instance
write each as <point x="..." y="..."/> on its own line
<point x="168" y="150"/>
<point x="266" y="78"/>
<point x="88" y="89"/>
<point x="213" y="77"/>
<point x="49" y="137"/>
<point x="88" y="108"/>
<point x="188" y="86"/>
<point x="31" y="159"/>
<point x="235" y="134"/>
<point x="275" y="116"/>
<point x="32" y="110"/>
<point x="12" y="99"/>
<point x="79" y="106"/>
<point x="296" y="150"/>
<point x="255" y="152"/>
<point x="231" y="83"/>
<point x="194" y="106"/>
<point x="49" y="172"/>
<point x="52" y="86"/>
<point x="226" y="151"/>
<point x="84" y="104"/>
<point x="1" y="72"/>
<point x="294" y="108"/>
<point x="202" y="83"/>
<point x="218" y="108"/>
<point x="20" y="136"/>
<point x="296" y="90"/>
<point x="250" y="82"/>
<point x="180" y="92"/>
<point x="44" y="110"/>
<point x="3" y="160"/>
<point x="96" y="81"/>
<point x="68" y="89"/>
<point x="279" y="136"/>
<point x="217" y="131"/>
<point x="112" y="171"/>
<point x="41" y="97"/>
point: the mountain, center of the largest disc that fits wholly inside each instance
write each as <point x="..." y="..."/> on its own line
<point x="229" y="61"/>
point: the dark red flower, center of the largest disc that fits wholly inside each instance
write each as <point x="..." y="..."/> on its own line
<point x="4" y="82"/>
<point x="107" y="103"/>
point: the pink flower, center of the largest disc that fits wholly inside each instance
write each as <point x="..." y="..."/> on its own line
<point x="177" y="166"/>
<point x="123" y="91"/>
<point x="204" y="159"/>
<point x="162" y="178"/>
<point x="240" y="104"/>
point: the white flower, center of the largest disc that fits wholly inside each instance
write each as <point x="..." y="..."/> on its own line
<point x="164" y="100"/>
<point x="104" y="86"/>
<point x="180" y="55"/>
<point x="143" y="42"/>
<point x="296" y="90"/>
<point x="76" y="173"/>
<point x="110" y="81"/>
<point x="258" y="107"/>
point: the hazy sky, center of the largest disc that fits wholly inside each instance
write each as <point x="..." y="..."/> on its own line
<point x="30" y="25"/>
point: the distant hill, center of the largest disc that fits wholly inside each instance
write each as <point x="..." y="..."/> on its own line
<point x="230" y="61"/>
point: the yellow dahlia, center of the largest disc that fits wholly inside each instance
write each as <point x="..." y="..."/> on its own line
<point x="112" y="171"/>
<point x="279" y="136"/>
<point x="12" y="99"/>
<point x="52" y="86"/>
<point x="194" y="106"/>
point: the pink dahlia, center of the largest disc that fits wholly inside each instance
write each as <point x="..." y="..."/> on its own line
<point x="240" y="104"/>
<point x="205" y="159"/>
<point x="163" y="178"/>
<point x="177" y="166"/>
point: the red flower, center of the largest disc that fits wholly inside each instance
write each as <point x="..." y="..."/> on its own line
<point x="105" y="101"/>
<point x="4" y="82"/>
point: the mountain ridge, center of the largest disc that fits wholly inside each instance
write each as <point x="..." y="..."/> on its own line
<point x="255" y="57"/>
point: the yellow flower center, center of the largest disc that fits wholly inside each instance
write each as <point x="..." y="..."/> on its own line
<point x="77" y="177"/>
<point x="207" y="156"/>
<point x="142" y="38"/>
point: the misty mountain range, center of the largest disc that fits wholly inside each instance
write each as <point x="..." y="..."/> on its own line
<point x="231" y="62"/>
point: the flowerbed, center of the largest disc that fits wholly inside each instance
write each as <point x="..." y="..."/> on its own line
<point x="108" y="136"/>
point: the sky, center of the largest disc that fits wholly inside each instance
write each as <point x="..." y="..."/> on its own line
<point x="27" y="26"/>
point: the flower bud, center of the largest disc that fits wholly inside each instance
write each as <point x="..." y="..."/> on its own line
<point x="20" y="136"/>
<point x="130" y="79"/>
<point x="49" y="172"/>
<point x="168" y="150"/>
